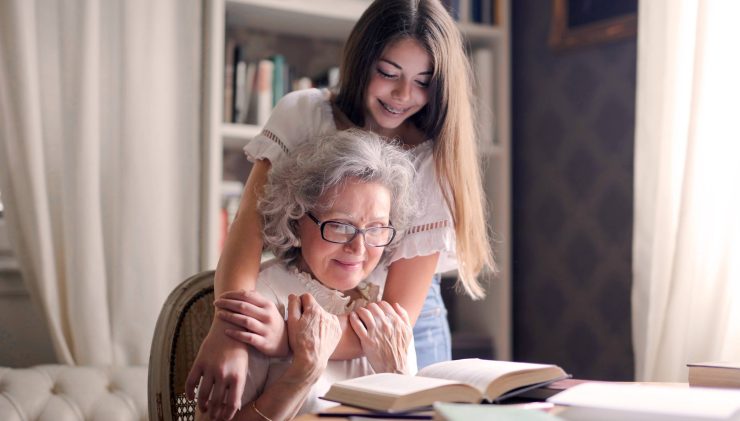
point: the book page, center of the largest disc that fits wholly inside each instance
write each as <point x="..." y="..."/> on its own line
<point x="476" y="372"/>
<point x="393" y="384"/>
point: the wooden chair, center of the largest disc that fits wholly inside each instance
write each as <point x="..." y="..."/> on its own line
<point x="182" y="325"/>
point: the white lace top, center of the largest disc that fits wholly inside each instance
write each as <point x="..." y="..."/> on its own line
<point x="276" y="282"/>
<point x="307" y="114"/>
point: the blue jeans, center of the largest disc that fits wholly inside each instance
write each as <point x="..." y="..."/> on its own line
<point x="432" y="331"/>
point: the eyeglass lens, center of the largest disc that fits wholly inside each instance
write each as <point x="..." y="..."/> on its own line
<point x="338" y="232"/>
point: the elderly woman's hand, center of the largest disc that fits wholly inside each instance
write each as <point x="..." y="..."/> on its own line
<point x="385" y="334"/>
<point x="260" y="323"/>
<point x="313" y="334"/>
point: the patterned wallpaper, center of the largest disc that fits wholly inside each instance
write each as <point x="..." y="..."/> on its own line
<point x="573" y="124"/>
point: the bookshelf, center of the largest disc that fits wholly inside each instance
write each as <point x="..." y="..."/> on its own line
<point x="332" y="20"/>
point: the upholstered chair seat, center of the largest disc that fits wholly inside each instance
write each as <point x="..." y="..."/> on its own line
<point x="62" y="393"/>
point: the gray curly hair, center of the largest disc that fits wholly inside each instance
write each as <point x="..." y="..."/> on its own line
<point x="295" y="186"/>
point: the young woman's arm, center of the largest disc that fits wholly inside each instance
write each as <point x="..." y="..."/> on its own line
<point x="221" y="365"/>
<point x="313" y="334"/>
<point x="240" y="259"/>
<point x="407" y="284"/>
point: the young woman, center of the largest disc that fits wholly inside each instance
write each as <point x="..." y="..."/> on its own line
<point x="328" y="212"/>
<point x="404" y="75"/>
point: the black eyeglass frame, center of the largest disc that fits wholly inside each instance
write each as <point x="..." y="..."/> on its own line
<point x="357" y="231"/>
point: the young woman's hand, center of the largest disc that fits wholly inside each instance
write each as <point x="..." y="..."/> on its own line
<point x="221" y="370"/>
<point x="385" y="334"/>
<point x="313" y="334"/>
<point x="260" y="324"/>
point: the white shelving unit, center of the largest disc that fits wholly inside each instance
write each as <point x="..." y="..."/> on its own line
<point x="334" y="19"/>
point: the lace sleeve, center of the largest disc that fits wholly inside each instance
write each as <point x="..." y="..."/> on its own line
<point x="432" y="231"/>
<point x="297" y="117"/>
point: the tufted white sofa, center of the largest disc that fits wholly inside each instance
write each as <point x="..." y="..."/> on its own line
<point x="61" y="393"/>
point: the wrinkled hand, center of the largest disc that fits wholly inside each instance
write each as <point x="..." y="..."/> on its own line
<point x="221" y="370"/>
<point x="313" y="333"/>
<point x="260" y="324"/>
<point x="385" y="334"/>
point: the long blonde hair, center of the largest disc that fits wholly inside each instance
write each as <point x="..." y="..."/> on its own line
<point x="447" y="118"/>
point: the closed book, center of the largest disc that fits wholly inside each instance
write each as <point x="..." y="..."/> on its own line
<point x="464" y="10"/>
<point x="263" y="91"/>
<point x="229" y="53"/>
<point x="476" y="11"/>
<point x="278" y="78"/>
<point x="647" y="402"/>
<point x="714" y="374"/>
<point x="249" y="83"/>
<point x="469" y="380"/>
<point x="240" y="85"/>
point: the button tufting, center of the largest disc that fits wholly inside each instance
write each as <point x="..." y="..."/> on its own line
<point x="38" y="390"/>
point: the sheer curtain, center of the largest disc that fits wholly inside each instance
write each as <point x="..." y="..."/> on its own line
<point x="686" y="292"/>
<point x="99" y="105"/>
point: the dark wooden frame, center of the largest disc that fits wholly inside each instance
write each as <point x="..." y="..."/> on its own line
<point x="564" y="36"/>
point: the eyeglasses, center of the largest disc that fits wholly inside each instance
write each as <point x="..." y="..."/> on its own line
<point x="342" y="233"/>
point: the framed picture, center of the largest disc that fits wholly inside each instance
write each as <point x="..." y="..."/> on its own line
<point x="577" y="23"/>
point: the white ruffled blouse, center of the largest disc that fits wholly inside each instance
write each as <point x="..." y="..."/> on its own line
<point x="304" y="115"/>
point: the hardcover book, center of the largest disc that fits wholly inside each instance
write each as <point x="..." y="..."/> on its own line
<point x="469" y="380"/>
<point x="605" y="401"/>
<point x="714" y="374"/>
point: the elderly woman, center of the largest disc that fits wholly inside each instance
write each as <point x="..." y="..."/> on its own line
<point x="331" y="211"/>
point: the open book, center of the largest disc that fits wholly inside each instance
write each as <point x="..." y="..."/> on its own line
<point x="469" y="380"/>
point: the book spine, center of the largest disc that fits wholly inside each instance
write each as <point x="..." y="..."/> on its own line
<point x="464" y="10"/>
<point x="487" y="12"/>
<point x="263" y="87"/>
<point x="228" y="106"/>
<point x="476" y="11"/>
<point x="278" y="78"/>
<point x="249" y="89"/>
<point x="240" y="100"/>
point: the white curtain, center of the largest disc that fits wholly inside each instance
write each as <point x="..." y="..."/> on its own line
<point x="686" y="251"/>
<point x="99" y="127"/>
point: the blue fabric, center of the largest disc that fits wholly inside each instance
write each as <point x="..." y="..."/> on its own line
<point x="432" y="330"/>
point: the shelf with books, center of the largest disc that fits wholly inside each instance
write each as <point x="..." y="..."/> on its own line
<point x="309" y="36"/>
<point x="261" y="67"/>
